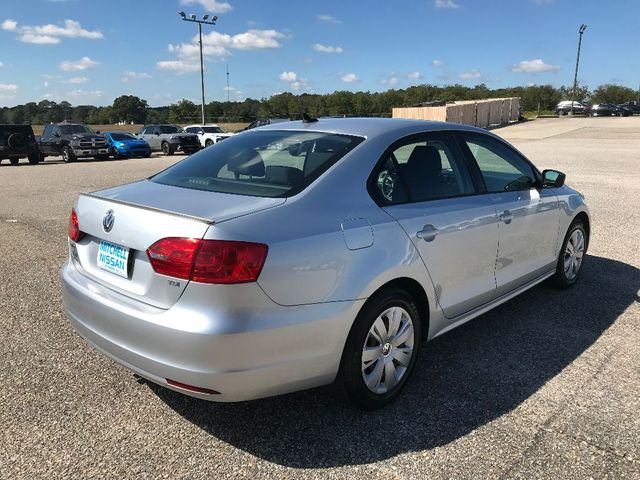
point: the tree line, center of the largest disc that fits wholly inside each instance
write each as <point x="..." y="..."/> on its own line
<point x="131" y="109"/>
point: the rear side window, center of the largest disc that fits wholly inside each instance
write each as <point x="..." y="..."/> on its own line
<point x="423" y="169"/>
<point x="260" y="163"/>
<point x="502" y="169"/>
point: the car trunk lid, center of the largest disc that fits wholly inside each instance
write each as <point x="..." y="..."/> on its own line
<point x="143" y="213"/>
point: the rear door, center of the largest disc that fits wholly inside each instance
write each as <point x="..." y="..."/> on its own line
<point x="528" y="217"/>
<point x="425" y="184"/>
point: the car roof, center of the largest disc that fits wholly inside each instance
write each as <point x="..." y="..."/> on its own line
<point x="370" y="127"/>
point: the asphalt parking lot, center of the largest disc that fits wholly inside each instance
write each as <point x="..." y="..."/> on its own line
<point x="545" y="386"/>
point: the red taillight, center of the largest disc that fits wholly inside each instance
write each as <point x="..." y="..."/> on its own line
<point x="208" y="261"/>
<point x="173" y="256"/>
<point x="75" y="234"/>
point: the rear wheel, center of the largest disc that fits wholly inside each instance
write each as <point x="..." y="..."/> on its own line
<point x="67" y="155"/>
<point x="571" y="257"/>
<point x="381" y="349"/>
<point x="14" y="160"/>
<point x="35" y="158"/>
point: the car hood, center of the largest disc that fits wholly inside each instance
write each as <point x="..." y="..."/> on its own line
<point x="83" y="136"/>
<point x="211" y="206"/>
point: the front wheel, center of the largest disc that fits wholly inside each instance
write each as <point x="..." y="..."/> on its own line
<point x="166" y="149"/>
<point x="208" y="143"/>
<point x="381" y="349"/>
<point x="14" y="160"/>
<point x="67" y="155"/>
<point x="571" y="257"/>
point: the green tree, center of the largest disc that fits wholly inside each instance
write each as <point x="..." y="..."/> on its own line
<point x="129" y="108"/>
<point x="185" y="111"/>
<point x="610" y="93"/>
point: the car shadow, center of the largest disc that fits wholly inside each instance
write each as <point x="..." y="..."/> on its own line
<point x="463" y="380"/>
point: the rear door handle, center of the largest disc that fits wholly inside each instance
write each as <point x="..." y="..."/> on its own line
<point x="428" y="233"/>
<point x="506" y="217"/>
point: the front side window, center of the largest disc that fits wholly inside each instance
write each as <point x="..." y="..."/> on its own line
<point x="502" y="169"/>
<point x="424" y="169"/>
<point x="260" y="163"/>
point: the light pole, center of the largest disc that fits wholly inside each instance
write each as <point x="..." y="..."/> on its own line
<point x="207" y="21"/>
<point x="581" y="30"/>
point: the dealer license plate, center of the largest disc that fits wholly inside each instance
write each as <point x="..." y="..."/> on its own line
<point x="113" y="258"/>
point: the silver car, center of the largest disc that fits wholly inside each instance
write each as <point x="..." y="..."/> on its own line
<point x="303" y="253"/>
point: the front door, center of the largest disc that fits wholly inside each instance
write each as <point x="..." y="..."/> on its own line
<point x="528" y="217"/>
<point x="429" y="191"/>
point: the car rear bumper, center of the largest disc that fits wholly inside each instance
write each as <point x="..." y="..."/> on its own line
<point x="246" y="348"/>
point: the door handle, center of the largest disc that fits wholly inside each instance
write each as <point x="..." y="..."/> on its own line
<point x="428" y="233"/>
<point x="506" y="217"/>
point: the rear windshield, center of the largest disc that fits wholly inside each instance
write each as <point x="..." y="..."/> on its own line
<point x="260" y="163"/>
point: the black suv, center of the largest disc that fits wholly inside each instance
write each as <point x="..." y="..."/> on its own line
<point x="18" y="141"/>
<point x="72" y="141"/>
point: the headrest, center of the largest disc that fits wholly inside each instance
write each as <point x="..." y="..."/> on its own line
<point x="426" y="159"/>
<point x="282" y="175"/>
<point x="247" y="162"/>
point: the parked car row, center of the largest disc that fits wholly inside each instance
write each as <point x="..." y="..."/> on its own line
<point x="599" y="110"/>
<point x="73" y="141"/>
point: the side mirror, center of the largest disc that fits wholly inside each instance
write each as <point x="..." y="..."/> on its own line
<point x="552" y="179"/>
<point x="157" y="134"/>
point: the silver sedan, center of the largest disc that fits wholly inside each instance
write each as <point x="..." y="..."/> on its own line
<point x="304" y="253"/>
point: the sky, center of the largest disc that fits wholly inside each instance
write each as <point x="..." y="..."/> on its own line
<point x="91" y="51"/>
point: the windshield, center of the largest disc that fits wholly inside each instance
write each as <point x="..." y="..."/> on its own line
<point x="170" y="129"/>
<point x="71" y="129"/>
<point x="213" y="130"/>
<point x="119" y="137"/>
<point x="260" y="163"/>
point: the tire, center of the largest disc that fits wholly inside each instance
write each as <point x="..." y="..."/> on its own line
<point x="14" y="160"/>
<point x="571" y="256"/>
<point x="35" y="158"/>
<point x="67" y="155"/>
<point x="167" y="149"/>
<point x="208" y="143"/>
<point x="369" y="332"/>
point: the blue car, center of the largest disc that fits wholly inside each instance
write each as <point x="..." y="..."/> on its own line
<point x="125" y="145"/>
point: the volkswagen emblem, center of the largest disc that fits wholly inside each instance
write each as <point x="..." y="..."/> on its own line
<point x="108" y="221"/>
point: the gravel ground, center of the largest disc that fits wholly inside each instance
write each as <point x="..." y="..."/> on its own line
<point x="545" y="386"/>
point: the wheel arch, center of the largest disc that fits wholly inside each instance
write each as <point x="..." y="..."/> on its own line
<point x="584" y="218"/>
<point x="417" y="292"/>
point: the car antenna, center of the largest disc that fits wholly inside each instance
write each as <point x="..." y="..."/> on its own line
<point x="306" y="118"/>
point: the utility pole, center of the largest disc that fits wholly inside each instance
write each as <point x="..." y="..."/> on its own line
<point x="581" y="30"/>
<point x="207" y="21"/>
<point x="227" y="83"/>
